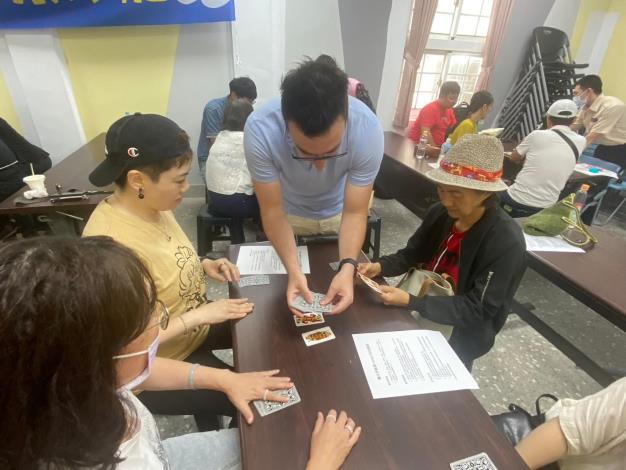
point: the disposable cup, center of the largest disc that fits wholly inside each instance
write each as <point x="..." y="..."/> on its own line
<point x="35" y="181"/>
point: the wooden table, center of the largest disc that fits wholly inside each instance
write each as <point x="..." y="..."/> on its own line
<point x="72" y="173"/>
<point x="595" y="279"/>
<point x="416" y="432"/>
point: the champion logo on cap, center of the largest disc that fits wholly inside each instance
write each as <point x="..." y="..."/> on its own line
<point x="133" y="152"/>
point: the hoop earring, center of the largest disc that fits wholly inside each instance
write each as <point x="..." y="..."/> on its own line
<point x="141" y="195"/>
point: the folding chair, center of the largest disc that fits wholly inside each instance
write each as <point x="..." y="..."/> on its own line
<point x="614" y="184"/>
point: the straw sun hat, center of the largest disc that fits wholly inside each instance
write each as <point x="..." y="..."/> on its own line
<point x="475" y="162"/>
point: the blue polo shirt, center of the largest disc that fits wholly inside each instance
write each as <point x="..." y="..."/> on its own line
<point x="212" y="120"/>
<point x="308" y="192"/>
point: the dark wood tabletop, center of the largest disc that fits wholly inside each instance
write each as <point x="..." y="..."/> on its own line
<point x="416" y="432"/>
<point x="595" y="278"/>
<point x="72" y="173"/>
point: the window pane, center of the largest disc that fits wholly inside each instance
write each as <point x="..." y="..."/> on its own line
<point x="442" y="23"/>
<point x="432" y="63"/>
<point x="445" y="6"/>
<point x="474" y="65"/>
<point x="467" y="25"/>
<point x="423" y="99"/>
<point x="487" y="6"/>
<point x="471" y="7"/>
<point x="458" y="64"/>
<point x="483" y="26"/>
<point x="467" y="97"/>
<point x="428" y="83"/>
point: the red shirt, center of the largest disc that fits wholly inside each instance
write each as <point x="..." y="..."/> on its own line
<point x="446" y="260"/>
<point x="435" y="117"/>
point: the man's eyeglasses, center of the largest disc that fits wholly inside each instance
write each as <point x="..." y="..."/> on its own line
<point x="313" y="158"/>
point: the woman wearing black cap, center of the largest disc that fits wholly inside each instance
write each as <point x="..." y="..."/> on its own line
<point x="148" y="158"/>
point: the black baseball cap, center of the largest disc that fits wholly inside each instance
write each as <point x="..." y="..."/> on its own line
<point x="135" y="141"/>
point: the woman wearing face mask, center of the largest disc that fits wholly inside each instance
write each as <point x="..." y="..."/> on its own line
<point x="470" y="240"/>
<point x="148" y="157"/>
<point x="480" y="106"/>
<point x="79" y="327"/>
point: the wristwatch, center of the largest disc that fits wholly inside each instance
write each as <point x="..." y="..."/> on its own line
<point x="348" y="261"/>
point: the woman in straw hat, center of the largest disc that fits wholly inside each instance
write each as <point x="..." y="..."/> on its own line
<point x="468" y="239"/>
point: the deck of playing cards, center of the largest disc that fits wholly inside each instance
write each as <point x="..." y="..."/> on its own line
<point x="309" y="319"/>
<point x="255" y="280"/>
<point x="266" y="407"/>
<point x="302" y="305"/>
<point x="369" y="283"/>
<point x="318" y="336"/>
<point x="475" y="462"/>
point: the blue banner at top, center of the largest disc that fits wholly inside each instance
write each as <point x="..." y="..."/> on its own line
<point x="26" y="14"/>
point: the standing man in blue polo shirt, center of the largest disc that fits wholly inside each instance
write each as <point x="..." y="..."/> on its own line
<point x="213" y="116"/>
<point x="313" y="156"/>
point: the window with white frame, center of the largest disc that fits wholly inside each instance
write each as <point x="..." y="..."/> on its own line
<point x="454" y="50"/>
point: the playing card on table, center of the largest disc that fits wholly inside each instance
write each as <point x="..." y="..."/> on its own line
<point x="255" y="280"/>
<point x="475" y="462"/>
<point x="315" y="307"/>
<point x="266" y="407"/>
<point x="309" y="319"/>
<point x="318" y="336"/>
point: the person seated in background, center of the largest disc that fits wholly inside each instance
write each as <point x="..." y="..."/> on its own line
<point x="587" y="434"/>
<point x="468" y="218"/>
<point x="148" y="158"/>
<point x="604" y="120"/>
<point x="227" y="177"/>
<point x="480" y="106"/>
<point x="213" y="116"/>
<point x="313" y="155"/>
<point x="81" y="322"/>
<point x="437" y="117"/>
<point x="16" y="156"/>
<point x="549" y="157"/>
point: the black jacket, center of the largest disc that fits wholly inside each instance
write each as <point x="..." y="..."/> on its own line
<point x="16" y="155"/>
<point x="491" y="266"/>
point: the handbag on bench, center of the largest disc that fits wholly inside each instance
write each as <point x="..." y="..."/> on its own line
<point x="413" y="283"/>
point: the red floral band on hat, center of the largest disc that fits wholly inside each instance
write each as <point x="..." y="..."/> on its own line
<point x="471" y="172"/>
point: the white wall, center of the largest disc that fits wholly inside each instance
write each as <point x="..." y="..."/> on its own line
<point x="596" y="40"/>
<point x="392" y="69"/>
<point x="44" y="98"/>
<point x="202" y="70"/>
<point x="563" y="16"/>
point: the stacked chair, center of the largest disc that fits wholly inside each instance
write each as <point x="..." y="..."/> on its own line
<point x="547" y="74"/>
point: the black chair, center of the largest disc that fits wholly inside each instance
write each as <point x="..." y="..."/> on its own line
<point x="371" y="245"/>
<point x="211" y="227"/>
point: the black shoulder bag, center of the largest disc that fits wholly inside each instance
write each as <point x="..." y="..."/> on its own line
<point x="569" y="142"/>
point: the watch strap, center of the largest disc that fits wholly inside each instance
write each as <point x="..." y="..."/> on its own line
<point x="351" y="261"/>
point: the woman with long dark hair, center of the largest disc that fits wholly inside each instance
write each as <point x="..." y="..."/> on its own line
<point x="79" y="328"/>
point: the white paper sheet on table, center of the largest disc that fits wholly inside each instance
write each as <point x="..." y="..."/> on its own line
<point x="265" y="260"/>
<point x="412" y="362"/>
<point x="554" y="244"/>
<point x="592" y="170"/>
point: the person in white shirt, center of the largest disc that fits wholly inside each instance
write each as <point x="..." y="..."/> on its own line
<point x="549" y="157"/>
<point x="79" y="328"/>
<point x="587" y="434"/>
<point x="227" y="177"/>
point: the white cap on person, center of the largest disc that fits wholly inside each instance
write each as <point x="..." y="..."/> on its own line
<point x="563" y="109"/>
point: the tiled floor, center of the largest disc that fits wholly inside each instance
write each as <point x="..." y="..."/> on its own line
<point x="522" y="365"/>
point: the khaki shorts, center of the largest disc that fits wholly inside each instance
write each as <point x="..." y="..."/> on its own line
<point x="305" y="226"/>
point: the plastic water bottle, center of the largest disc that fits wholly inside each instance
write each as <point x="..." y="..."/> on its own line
<point x="581" y="197"/>
<point x="445" y="148"/>
<point x="420" y="148"/>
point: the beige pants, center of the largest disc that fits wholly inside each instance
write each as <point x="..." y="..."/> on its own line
<point x="305" y="226"/>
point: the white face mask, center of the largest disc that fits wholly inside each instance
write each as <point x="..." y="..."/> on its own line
<point x="152" y="352"/>
<point x="580" y="100"/>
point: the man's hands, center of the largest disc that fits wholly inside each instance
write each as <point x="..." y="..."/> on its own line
<point x="341" y="290"/>
<point x="297" y="285"/>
